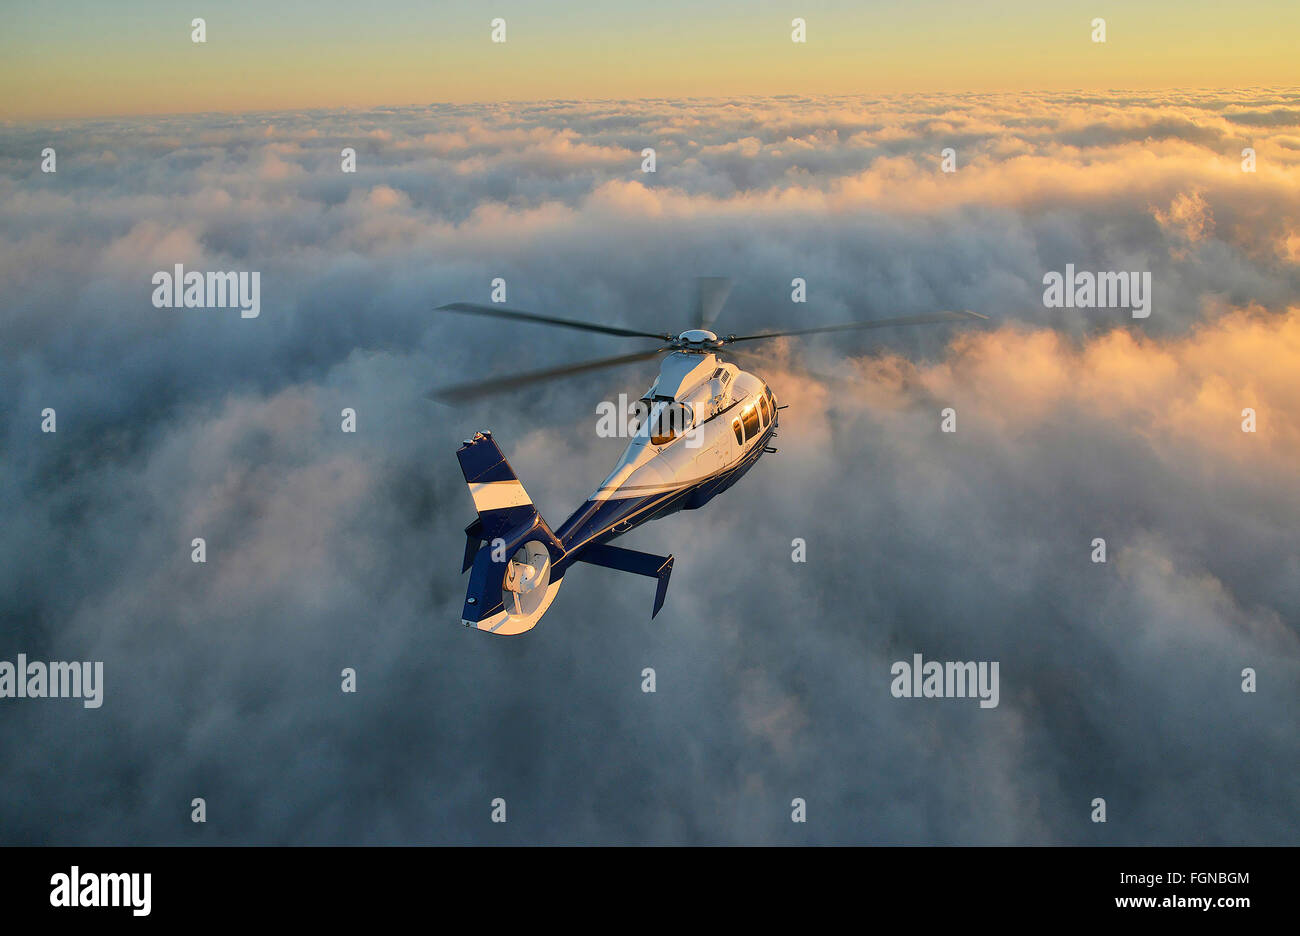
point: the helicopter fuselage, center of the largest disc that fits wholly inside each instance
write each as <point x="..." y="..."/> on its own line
<point x="729" y="418"/>
<point x="704" y="423"/>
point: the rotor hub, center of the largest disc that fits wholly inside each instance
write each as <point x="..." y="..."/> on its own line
<point x="697" y="339"/>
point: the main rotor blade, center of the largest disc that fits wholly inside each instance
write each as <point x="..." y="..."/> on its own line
<point x="754" y="359"/>
<point x="473" y="308"/>
<point x="472" y="390"/>
<point x="710" y="294"/>
<point x="927" y="319"/>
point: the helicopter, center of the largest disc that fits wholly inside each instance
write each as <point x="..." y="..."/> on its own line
<point x="699" y="428"/>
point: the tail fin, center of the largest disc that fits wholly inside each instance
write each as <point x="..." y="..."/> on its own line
<point x="501" y="501"/>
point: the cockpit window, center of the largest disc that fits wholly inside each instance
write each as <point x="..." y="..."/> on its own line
<point x="740" y="435"/>
<point x="669" y="421"/>
<point x="767" y="413"/>
<point x="750" y="418"/>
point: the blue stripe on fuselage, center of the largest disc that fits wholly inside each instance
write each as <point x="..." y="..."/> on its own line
<point x="601" y="521"/>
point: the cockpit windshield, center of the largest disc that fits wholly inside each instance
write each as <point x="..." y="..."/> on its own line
<point x="667" y="420"/>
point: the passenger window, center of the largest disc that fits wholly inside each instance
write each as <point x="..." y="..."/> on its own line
<point x="750" y="418"/>
<point x="735" y="426"/>
<point x="767" y="413"/>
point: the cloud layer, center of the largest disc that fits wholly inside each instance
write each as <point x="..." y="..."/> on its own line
<point x="328" y="550"/>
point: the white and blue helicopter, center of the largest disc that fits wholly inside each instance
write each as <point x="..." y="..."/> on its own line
<point x="703" y="423"/>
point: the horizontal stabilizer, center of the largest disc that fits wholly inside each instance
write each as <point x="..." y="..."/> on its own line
<point x="638" y="563"/>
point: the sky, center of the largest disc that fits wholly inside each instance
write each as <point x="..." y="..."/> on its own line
<point x="85" y="59"/>
<point x="329" y="550"/>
